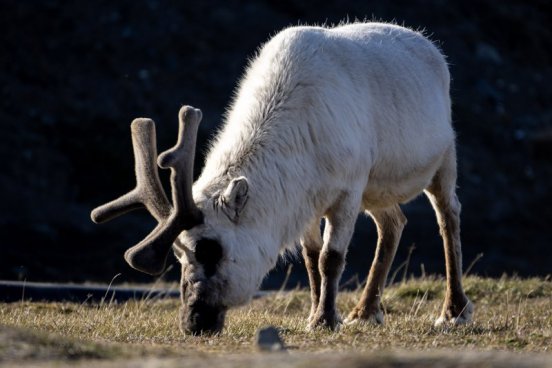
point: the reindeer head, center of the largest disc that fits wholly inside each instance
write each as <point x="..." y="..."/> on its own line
<point x="213" y="278"/>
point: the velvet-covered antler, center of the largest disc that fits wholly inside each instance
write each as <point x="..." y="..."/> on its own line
<point x="150" y="254"/>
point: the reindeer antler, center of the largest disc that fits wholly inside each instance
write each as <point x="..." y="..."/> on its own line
<point x="148" y="191"/>
<point x="151" y="253"/>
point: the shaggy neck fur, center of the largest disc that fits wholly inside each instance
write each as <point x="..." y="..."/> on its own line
<point x="269" y="139"/>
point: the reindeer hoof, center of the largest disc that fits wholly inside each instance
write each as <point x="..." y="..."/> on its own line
<point x="331" y="322"/>
<point x="451" y="316"/>
<point x="358" y="317"/>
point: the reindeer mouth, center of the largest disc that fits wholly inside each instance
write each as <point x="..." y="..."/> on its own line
<point x="202" y="318"/>
<point x="201" y="311"/>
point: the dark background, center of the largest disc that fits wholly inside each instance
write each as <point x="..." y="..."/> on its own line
<point x="73" y="75"/>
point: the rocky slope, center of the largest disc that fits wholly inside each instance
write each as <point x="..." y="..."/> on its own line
<point x="74" y="74"/>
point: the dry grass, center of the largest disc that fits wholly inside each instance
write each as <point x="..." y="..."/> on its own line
<point x="511" y="314"/>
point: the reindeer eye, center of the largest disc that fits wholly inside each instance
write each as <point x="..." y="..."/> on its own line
<point x="208" y="253"/>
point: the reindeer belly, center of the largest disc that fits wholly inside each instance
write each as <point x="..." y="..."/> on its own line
<point x="384" y="190"/>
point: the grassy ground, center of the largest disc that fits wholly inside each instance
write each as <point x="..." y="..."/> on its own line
<point x="512" y="315"/>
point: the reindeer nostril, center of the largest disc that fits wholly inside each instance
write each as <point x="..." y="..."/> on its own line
<point x="208" y="253"/>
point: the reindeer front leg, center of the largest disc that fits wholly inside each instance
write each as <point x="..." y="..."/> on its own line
<point x="311" y="241"/>
<point x="340" y="223"/>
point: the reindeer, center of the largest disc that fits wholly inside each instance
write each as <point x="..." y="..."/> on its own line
<point x="326" y="123"/>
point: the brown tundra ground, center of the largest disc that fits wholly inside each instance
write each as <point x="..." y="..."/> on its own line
<point x="512" y="328"/>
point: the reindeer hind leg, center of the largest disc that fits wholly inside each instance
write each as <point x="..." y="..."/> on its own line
<point x="390" y="223"/>
<point x="457" y="308"/>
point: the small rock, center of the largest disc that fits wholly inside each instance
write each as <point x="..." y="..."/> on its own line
<point x="268" y="339"/>
<point x="143" y="74"/>
<point x="488" y="53"/>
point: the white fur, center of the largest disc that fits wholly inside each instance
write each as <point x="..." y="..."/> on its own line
<point x="360" y="110"/>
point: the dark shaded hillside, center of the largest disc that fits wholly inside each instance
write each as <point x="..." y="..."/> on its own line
<point x="74" y="74"/>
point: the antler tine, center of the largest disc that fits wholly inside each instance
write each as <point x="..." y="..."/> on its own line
<point x="180" y="159"/>
<point x="148" y="191"/>
<point x="151" y="253"/>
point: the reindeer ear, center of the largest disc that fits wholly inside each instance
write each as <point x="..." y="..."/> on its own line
<point x="234" y="198"/>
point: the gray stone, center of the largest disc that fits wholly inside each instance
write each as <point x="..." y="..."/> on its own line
<point x="488" y="53"/>
<point x="268" y="339"/>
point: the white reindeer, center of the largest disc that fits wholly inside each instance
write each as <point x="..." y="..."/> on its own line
<point x="326" y="122"/>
